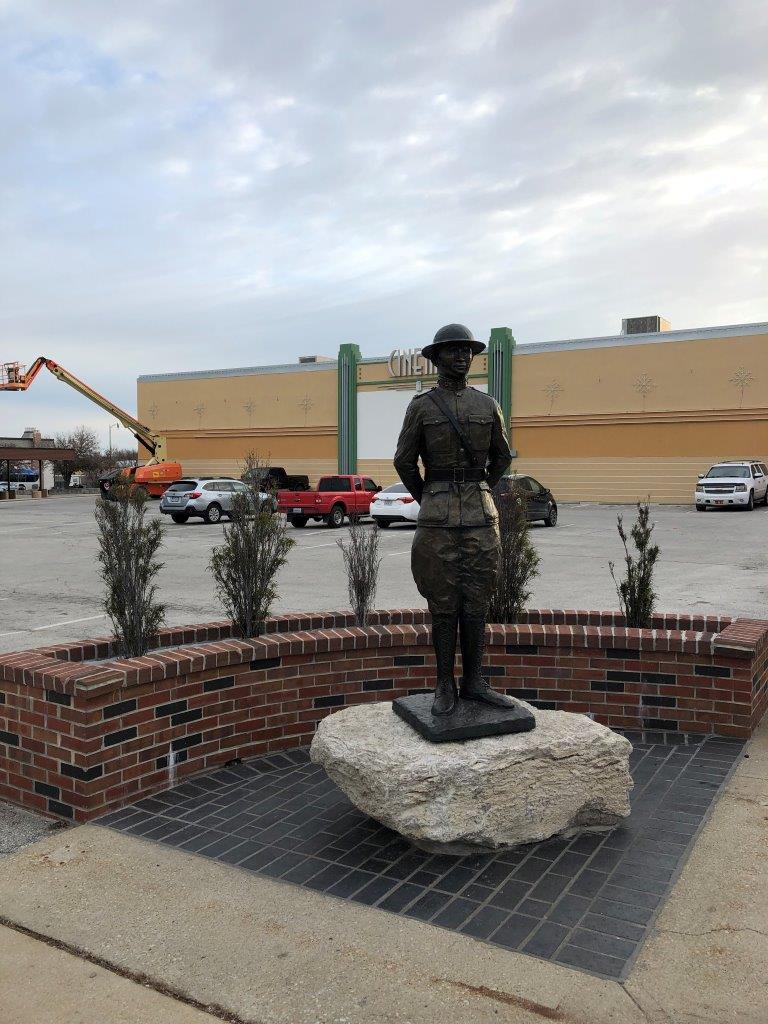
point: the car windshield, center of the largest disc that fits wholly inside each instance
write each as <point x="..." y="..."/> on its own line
<point x="183" y="485"/>
<point x="728" y="471"/>
<point x="395" y="489"/>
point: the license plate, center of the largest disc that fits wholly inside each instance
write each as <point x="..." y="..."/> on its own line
<point x="719" y="502"/>
<point x="175" y="500"/>
<point x="297" y="510"/>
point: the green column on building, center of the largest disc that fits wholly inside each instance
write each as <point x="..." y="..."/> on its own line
<point x="349" y="357"/>
<point x="500" y="351"/>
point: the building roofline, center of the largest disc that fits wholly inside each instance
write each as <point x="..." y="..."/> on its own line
<point x="652" y="338"/>
<point x="523" y="349"/>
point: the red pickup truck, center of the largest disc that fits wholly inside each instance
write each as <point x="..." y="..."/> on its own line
<point x="336" y="498"/>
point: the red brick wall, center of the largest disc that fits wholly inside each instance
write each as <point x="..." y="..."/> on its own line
<point x="78" y="738"/>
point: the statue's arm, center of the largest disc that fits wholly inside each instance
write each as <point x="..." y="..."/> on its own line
<point x="407" y="453"/>
<point x="499" y="454"/>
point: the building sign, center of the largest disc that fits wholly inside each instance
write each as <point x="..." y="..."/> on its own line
<point x="409" y="363"/>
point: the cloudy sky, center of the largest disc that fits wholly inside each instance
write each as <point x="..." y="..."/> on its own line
<point x="197" y="183"/>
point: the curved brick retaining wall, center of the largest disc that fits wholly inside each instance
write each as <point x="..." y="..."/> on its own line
<point x="79" y="737"/>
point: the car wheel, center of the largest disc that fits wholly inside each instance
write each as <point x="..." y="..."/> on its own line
<point x="298" y="521"/>
<point x="551" y="519"/>
<point x="701" y="508"/>
<point x="179" y="517"/>
<point x="213" y="513"/>
<point x="382" y="523"/>
<point x="751" y="503"/>
<point x="336" y="517"/>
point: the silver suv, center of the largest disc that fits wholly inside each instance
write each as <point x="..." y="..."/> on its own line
<point x="208" y="498"/>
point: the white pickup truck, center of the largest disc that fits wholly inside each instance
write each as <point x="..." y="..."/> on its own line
<point x="742" y="483"/>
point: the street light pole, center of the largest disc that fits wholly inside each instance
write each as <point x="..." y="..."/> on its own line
<point x="111" y="425"/>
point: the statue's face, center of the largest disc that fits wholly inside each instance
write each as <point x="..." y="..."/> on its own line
<point x="454" y="359"/>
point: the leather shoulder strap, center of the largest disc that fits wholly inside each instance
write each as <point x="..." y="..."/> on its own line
<point x="444" y="408"/>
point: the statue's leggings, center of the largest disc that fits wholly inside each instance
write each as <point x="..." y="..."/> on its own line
<point x="455" y="568"/>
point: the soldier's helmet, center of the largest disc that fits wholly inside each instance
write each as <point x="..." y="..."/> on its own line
<point x="452" y="333"/>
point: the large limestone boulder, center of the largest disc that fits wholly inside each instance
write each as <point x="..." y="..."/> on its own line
<point x="568" y="775"/>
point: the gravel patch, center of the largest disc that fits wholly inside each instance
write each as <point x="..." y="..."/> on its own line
<point x="19" y="828"/>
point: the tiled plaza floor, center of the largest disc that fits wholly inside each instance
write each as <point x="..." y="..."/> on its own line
<point x="587" y="902"/>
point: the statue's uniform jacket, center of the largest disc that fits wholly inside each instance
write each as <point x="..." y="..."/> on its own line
<point x="455" y="550"/>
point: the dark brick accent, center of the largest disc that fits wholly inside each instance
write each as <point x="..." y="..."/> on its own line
<point x="712" y="670"/>
<point x="121" y="708"/>
<point x="218" y="684"/>
<point x="622" y="677"/>
<point x="187" y="741"/>
<point x="45" y="790"/>
<point x="118" y="737"/>
<point x="523" y="692"/>
<point x="186" y="716"/>
<point x="493" y="670"/>
<point x="170" y="709"/>
<point x="409" y="659"/>
<point x="659" y="702"/>
<point x="545" y="705"/>
<point x="620" y="652"/>
<point x="55" y="697"/>
<point x="334" y="701"/>
<point x="521" y="649"/>
<point x="84" y="774"/>
<point x="259" y="663"/>
<point x="608" y="687"/>
<point x="420" y="689"/>
<point x="9" y="737"/>
<point x="2" y="698"/>
<point x="378" y="684"/>
<point x="660" y="723"/>
<point x="662" y="678"/>
<point x="63" y="810"/>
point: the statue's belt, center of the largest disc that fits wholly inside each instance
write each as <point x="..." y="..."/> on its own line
<point x="456" y="475"/>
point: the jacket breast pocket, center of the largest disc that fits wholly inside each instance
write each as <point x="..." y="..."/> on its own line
<point x="434" y="504"/>
<point x="480" y="432"/>
<point x="437" y="433"/>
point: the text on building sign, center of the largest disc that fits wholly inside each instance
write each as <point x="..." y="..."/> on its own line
<point x="409" y="363"/>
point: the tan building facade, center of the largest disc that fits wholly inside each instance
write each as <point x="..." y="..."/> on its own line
<point x="598" y="419"/>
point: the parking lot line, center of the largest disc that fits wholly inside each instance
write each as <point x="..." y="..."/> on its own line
<point x="54" y="625"/>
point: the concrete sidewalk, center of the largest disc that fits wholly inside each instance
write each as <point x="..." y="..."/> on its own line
<point x="43" y="985"/>
<point x="172" y="933"/>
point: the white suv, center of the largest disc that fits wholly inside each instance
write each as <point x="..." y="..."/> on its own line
<point x="743" y="483"/>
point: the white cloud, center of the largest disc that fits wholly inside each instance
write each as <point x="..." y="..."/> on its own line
<point x="176" y="168"/>
<point x="480" y="28"/>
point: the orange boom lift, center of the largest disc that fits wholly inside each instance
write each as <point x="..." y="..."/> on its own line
<point x="156" y="475"/>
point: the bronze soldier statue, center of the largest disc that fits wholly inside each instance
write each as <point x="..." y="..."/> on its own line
<point x="460" y="436"/>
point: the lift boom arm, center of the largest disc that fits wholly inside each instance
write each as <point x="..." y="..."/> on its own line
<point x="14" y="378"/>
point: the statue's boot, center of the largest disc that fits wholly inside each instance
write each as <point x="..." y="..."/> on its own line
<point x="473" y="685"/>
<point x="444" y="643"/>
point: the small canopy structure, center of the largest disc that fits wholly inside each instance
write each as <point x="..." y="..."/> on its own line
<point x="22" y="453"/>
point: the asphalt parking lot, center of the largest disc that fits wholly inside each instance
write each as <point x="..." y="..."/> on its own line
<point x="50" y="589"/>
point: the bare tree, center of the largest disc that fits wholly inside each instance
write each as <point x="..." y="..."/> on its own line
<point x="85" y="444"/>
<point x="128" y="546"/>
<point x="635" y="592"/>
<point x="255" y="548"/>
<point x="519" y="561"/>
<point x="362" y="561"/>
